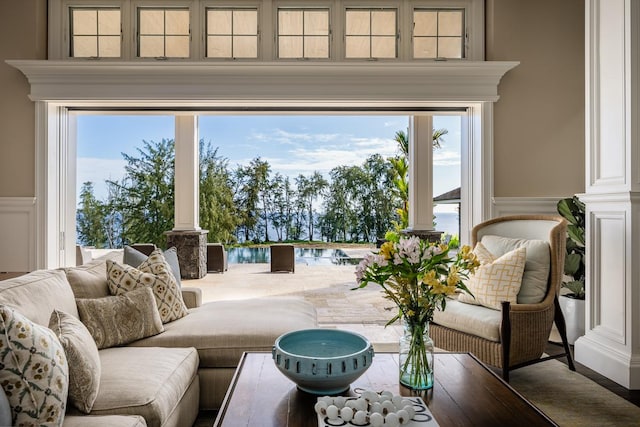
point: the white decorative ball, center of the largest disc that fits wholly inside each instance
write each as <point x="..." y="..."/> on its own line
<point x="333" y="412"/>
<point x="339" y="401"/>
<point x="376" y="419"/>
<point x="376" y="407"/>
<point x="346" y="414"/>
<point x="388" y="407"/>
<point x="403" y="416"/>
<point x="410" y="410"/>
<point x="397" y="401"/>
<point x="360" y="417"/>
<point x="391" y="420"/>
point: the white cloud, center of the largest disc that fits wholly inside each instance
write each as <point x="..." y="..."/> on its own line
<point x="446" y="158"/>
<point x="294" y="138"/>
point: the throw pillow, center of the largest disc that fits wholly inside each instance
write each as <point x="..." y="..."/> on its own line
<point x="82" y="356"/>
<point x="497" y="279"/>
<point x="535" y="280"/>
<point x="34" y="372"/>
<point x="119" y="320"/>
<point x="134" y="258"/>
<point x="154" y="273"/>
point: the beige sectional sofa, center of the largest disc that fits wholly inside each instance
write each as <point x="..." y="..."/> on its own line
<point x="165" y="379"/>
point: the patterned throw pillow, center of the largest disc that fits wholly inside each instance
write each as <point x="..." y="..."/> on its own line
<point x="82" y="356"/>
<point x="497" y="279"/>
<point x="154" y="273"/>
<point x="122" y="319"/>
<point x="134" y="258"/>
<point x="34" y="372"/>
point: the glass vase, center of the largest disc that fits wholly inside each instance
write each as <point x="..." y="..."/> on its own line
<point x="416" y="357"/>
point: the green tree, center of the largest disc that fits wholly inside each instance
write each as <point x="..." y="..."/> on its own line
<point x="251" y="180"/>
<point x="218" y="212"/>
<point x="90" y="218"/>
<point x="309" y="189"/>
<point x="147" y="193"/>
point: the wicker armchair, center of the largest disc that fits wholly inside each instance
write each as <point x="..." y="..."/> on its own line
<point x="523" y="328"/>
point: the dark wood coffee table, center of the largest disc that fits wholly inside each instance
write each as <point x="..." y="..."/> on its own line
<point x="466" y="393"/>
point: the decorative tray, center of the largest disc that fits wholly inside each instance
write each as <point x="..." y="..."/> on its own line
<point x="422" y="418"/>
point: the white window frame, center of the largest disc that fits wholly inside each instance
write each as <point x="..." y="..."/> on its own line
<point x="267" y="26"/>
<point x="373" y="5"/>
<point x="297" y="6"/>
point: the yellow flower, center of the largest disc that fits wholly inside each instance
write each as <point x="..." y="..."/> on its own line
<point x="386" y="250"/>
<point x="453" y="278"/>
<point x="429" y="279"/>
<point x="465" y="250"/>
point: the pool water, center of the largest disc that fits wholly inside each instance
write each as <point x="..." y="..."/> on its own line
<point x="309" y="256"/>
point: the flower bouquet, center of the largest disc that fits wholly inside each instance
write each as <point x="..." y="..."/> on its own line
<point x="417" y="276"/>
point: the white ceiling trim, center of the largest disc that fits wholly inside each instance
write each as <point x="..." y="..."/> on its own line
<point x="254" y="83"/>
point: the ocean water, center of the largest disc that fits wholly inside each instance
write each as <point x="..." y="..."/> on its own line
<point x="448" y="222"/>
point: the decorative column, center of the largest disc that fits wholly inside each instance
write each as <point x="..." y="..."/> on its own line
<point x="611" y="345"/>
<point x="421" y="179"/>
<point x="187" y="236"/>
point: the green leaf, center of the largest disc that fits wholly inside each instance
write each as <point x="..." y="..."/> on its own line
<point x="576" y="233"/>
<point x="572" y="264"/>
<point x="566" y="208"/>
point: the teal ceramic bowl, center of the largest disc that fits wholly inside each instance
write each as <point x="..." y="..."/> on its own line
<point x="322" y="361"/>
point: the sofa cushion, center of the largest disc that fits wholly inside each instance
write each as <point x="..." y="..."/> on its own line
<point x="103" y="421"/>
<point x="473" y="319"/>
<point x="497" y="279"/>
<point x="90" y="280"/>
<point x="82" y="357"/>
<point x="34" y="372"/>
<point x="222" y="330"/>
<point x="37" y="294"/>
<point x="155" y="274"/>
<point x="134" y="258"/>
<point x="144" y="381"/>
<point x="535" y="279"/>
<point x="118" y="320"/>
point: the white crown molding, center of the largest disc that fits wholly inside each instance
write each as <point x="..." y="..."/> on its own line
<point x="295" y="83"/>
<point x="503" y="206"/>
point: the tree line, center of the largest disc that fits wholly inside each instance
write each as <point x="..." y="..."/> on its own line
<point x="248" y="203"/>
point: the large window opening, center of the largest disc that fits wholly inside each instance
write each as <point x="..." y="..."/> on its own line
<point x="263" y="177"/>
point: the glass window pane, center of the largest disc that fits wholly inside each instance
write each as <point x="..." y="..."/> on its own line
<point x="84" y="46"/>
<point x="425" y="23"/>
<point x="290" y="22"/>
<point x="218" y="21"/>
<point x="316" y="47"/>
<point x="358" y="22"/>
<point x="357" y="47"/>
<point x="245" y="22"/>
<point x="450" y="23"/>
<point x="85" y="22"/>
<point x="151" y="46"/>
<point x="450" y="47"/>
<point x="290" y="47"/>
<point x="177" y="22"/>
<point x="109" y="22"/>
<point x="316" y="23"/>
<point x="245" y="47"/>
<point x="383" y="47"/>
<point x="109" y="46"/>
<point x="219" y="47"/>
<point x="424" y="47"/>
<point x="177" y="46"/>
<point x="383" y="23"/>
<point x="151" y="21"/>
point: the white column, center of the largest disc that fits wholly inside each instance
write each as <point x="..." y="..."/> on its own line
<point x="420" y="173"/>
<point x="611" y="345"/>
<point x="187" y="175"/>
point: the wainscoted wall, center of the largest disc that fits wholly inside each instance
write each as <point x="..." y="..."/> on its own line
<point x="17" y="234"/>
<point x="503" y="206"/>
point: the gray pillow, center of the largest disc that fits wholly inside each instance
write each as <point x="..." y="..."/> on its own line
<point x="121" y="319"/>
<point x="134" y="258"/>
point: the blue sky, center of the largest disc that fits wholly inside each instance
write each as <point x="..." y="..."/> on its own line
<point x="293" y="145"/>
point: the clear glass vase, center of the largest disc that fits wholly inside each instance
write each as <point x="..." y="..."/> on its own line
<point x="416" y="357"/>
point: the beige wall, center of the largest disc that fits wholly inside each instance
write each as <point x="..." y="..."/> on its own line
<point x="539" y="119"/>
<point x="23" y="27"/>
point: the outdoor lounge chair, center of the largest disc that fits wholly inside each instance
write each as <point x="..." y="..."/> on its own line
<point x="216" y="258"/>
<point x="282" y="258"/>
<point x="145" y="248"/>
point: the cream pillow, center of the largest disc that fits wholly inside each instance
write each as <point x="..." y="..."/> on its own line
<point x="82" y="356"/>
<point x="119" y="320"/>
<point x="497" y="279"/>
<point x="154" y="273"/>
<point x="34" y="372"/>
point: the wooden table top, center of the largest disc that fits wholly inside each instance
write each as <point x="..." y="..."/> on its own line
<point x="465" y="393"/>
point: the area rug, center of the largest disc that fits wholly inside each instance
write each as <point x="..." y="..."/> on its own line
<point x="570" y="399"/>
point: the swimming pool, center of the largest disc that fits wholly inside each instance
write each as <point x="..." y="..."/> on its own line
<point x="309" y="256"/>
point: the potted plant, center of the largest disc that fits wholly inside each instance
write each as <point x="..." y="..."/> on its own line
<point x="572" y="302"/>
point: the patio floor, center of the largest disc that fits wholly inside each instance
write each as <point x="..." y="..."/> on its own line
<point x="329" y="288"/>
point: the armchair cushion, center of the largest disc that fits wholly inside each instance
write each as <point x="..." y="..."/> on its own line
<point x="535" y="279"/>
<point x="475" y="320"/>
<point x="497" y="279"/>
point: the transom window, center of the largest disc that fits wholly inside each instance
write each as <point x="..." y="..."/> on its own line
<point x="232" y="33"/>
<point x="303" y="33"/>
<point x="95" y="32"/>
<point x="438" y="33"/>
<point x="371" y="33"/>
<point x="163" y="33"/>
